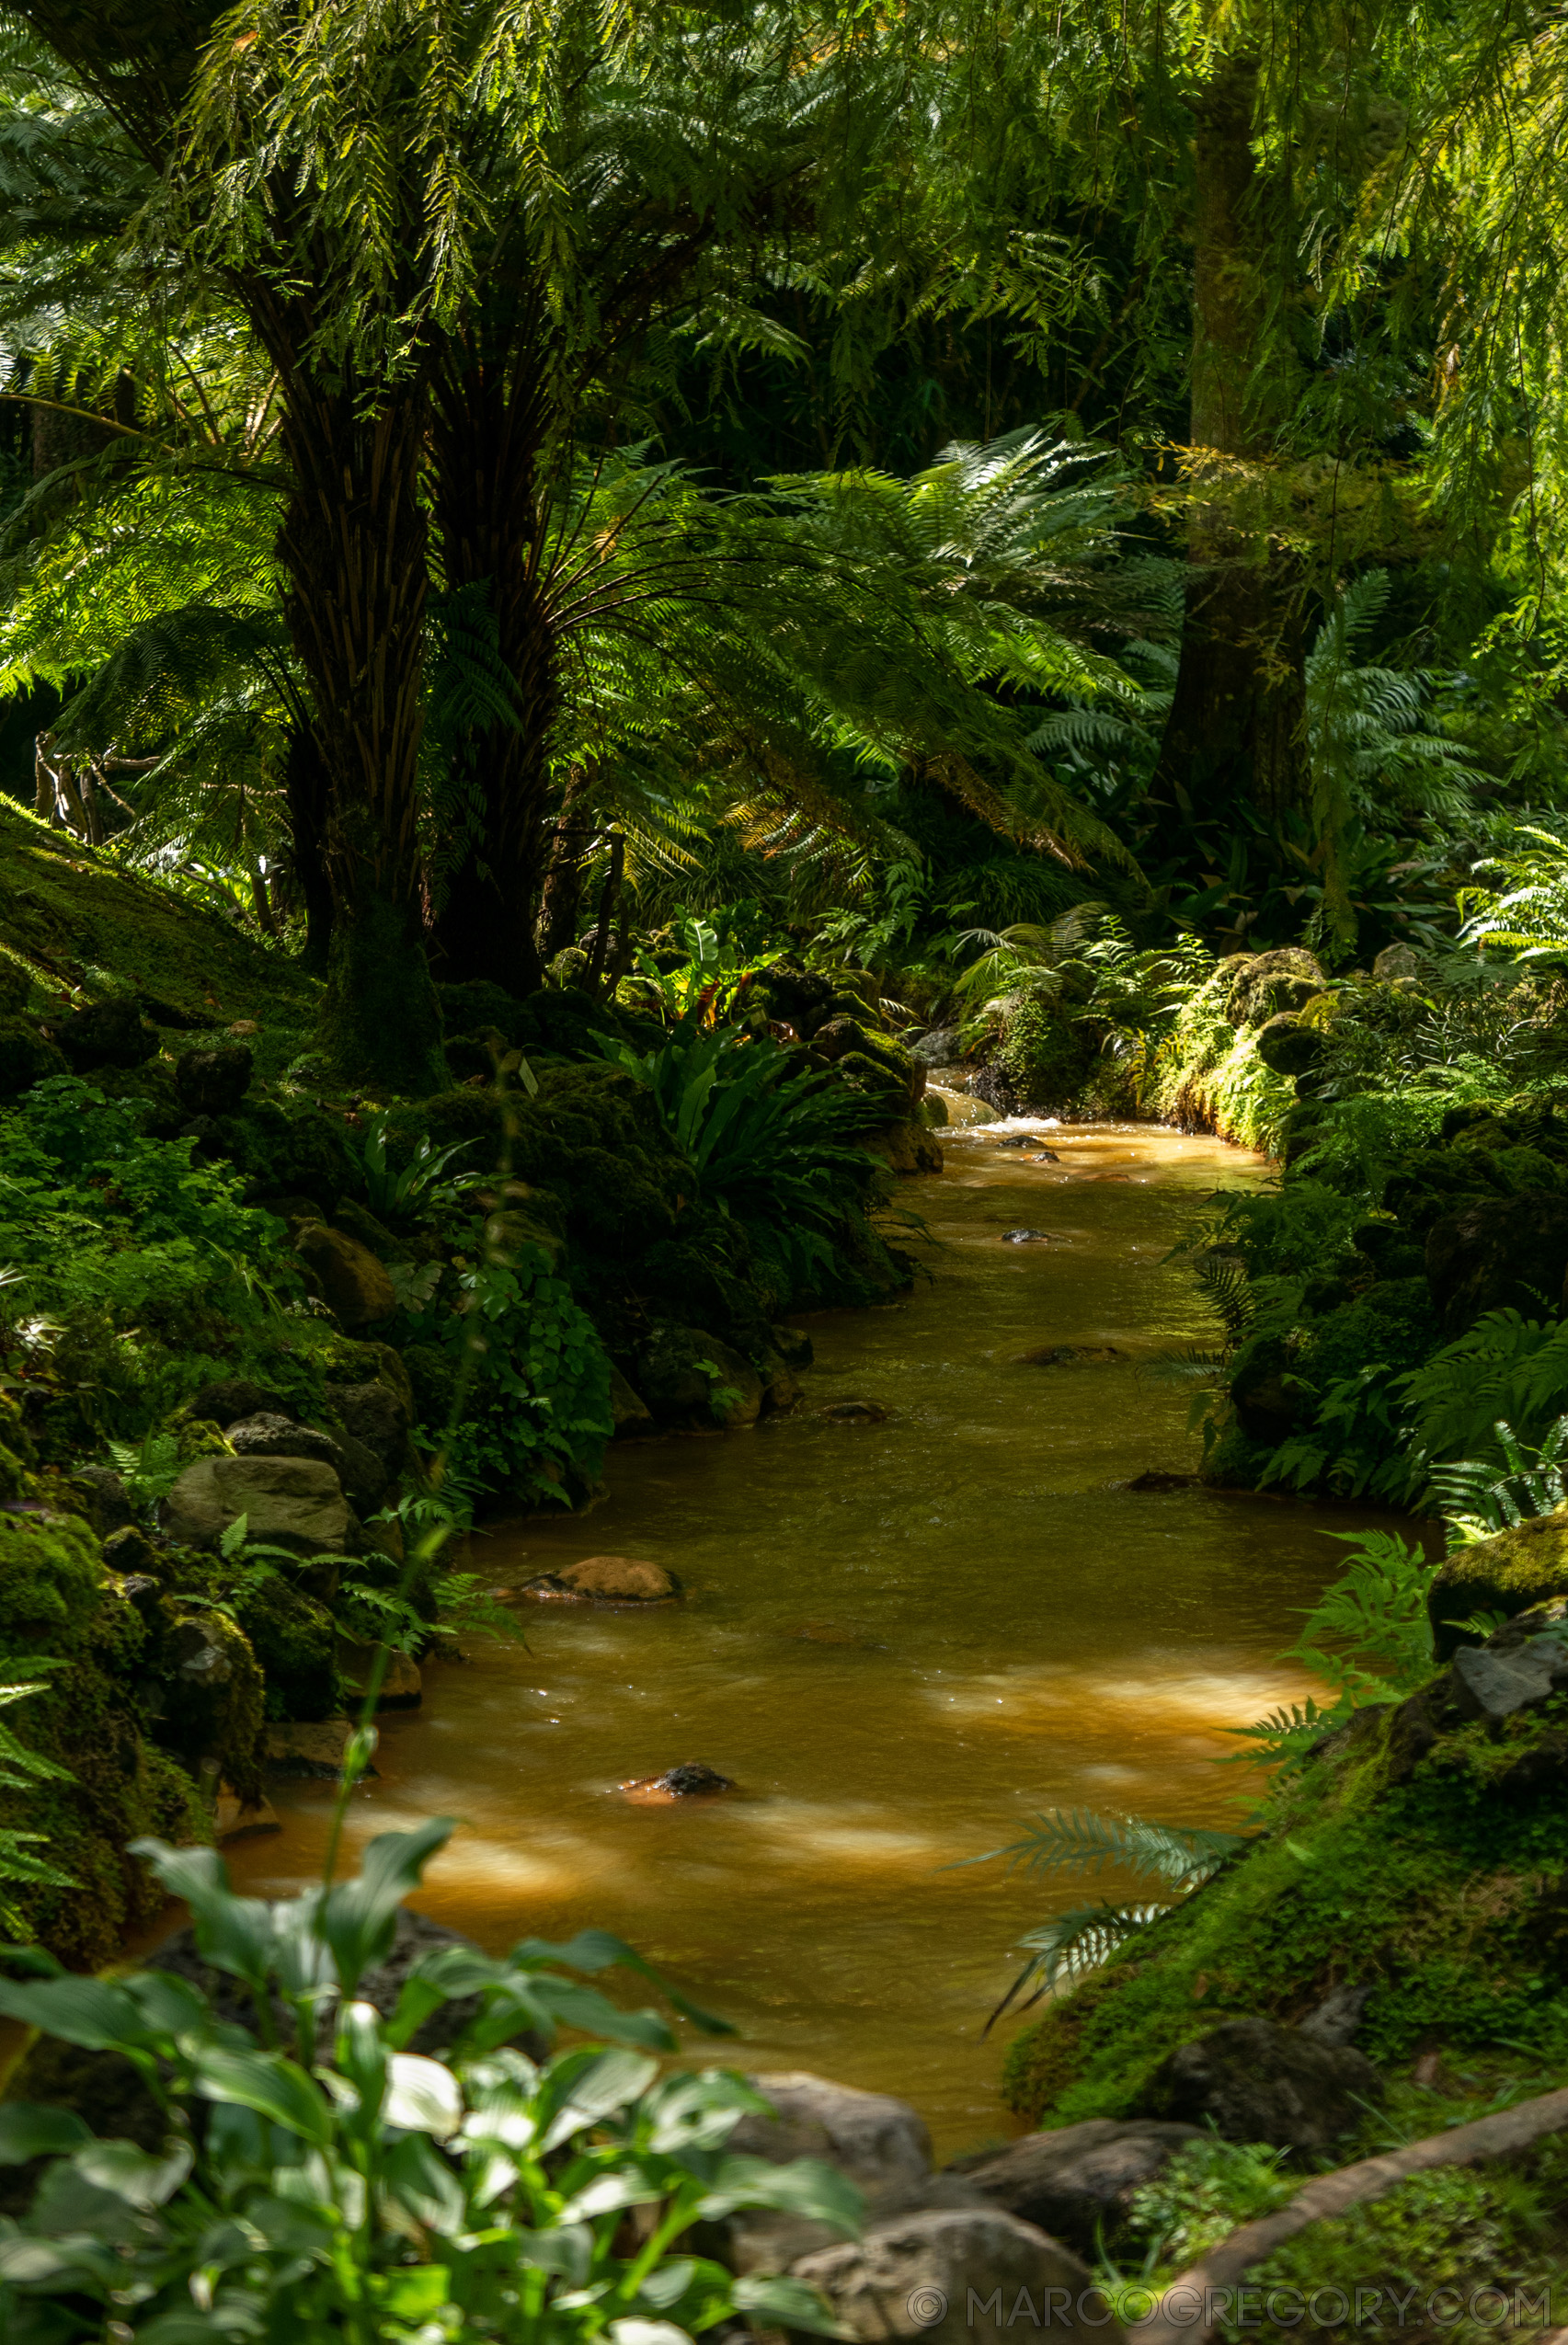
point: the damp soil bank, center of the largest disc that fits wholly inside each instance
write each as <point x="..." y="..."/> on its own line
<point x="899" y="1638"/>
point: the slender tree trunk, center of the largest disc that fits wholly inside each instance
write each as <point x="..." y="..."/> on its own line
<point x="560" y="903"/>
<point x="1237" y="728"/>
<point x="352" y="544"/>
<point x="304" y="782"/>
<point x="485" y="427"/>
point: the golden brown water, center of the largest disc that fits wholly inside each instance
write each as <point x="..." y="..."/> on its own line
<point x="898" y="1639"/>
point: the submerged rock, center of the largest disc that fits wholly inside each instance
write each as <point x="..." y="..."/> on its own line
<point x="693" y="1381"/>
<point x="1254" y="2080"/>
<point x="1025" y="1237"/>
<point x="1070" y="1354"/>
<point x="309" y="1749"/>
<point x="1080" y="2179"/>
<point x="853" y="1413"/>
<point x="605" y="1579"/>
<point x="691" y="1780"/>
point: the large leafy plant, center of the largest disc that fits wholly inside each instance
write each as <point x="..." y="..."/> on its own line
<point x="318" y="2178"/>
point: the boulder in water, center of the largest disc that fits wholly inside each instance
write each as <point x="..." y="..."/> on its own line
<point x="605" y="1579"/>
<point x="1025" y="1237"/>
<point x="689" y="1780"/>
<point x="853" y="1413"/>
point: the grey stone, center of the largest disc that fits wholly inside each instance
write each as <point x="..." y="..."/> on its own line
<point x="271" y="1435"/>
<point x="792" y="1345"/>
<point x="1080" y="2180"/>
<point x="880" y="2143"/>
<point x="956" y="2275"/>
<point x="289" y="1502"/>
<point x="107" y="1495"/>
<point x="939" y="1047"/>
<point x="229" y="1399"/>
<point x="1255" y="2081"/>
<point x="1338" y="2016"/>
<point x="360" y="1471"/>
<point x="1492" y="1686"/>
<point x="372" y="1413"/>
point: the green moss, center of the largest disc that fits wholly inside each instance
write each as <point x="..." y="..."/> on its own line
<point x="69" y="918"/>
<point x="1443" y="1891"/>
<point x="1045" y="1054"/>
<point x="380" y="1021"/>
<point x="1208" y="1076"/>
<point x="1509" y="1572"/>
<point x="50" y="1575"/>
<point x="295" y="1641"/>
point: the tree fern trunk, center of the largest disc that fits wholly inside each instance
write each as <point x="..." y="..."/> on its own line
<point x="352" y="544"/>
<point x="485" y="432"/>
<point x="1237" y="728"/>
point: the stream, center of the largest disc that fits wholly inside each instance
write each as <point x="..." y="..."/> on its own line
<point x="898" y="1639"/>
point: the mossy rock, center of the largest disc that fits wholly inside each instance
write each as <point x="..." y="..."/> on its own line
<point x="26" y="1058"/>
<point x="1430" y="1867"/>
<point x="1289" y="1047"/>
<point x="293" y="1151"/>
<point x="152" y="1089"/>
<point x="1518" y="1568"/>
<point x="1267" y="983"/>
<point x="64" y="910"/>
<point x="50" y="1575"/>
<point x="295" y="1641"/>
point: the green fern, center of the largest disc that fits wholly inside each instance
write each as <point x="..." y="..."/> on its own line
<point x="149" y="1468"/>
<point x="20" y="1770"/>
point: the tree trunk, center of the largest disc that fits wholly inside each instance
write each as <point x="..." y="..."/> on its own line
<point x="486" y="429"/>
<point x="304" y="782"/>
<point x="1237" y="728"/>
<point x="560" y="902"/>
<point x="352" y="544"/>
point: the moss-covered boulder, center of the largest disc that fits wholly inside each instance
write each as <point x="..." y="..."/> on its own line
<point x="58" y="1602"/>
<point x="295" y="1639"/>
<point x="1496" y="1253"/>
<point x="1267" y="983"/>
<point x="1510" y="1573"/>
<point x="1418" y="1853"/>
<point x="26" y="1057"/>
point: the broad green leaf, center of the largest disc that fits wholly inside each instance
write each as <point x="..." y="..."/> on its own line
<point x="636" y="2331"/>
<point x="234" y="1934"/>
<point x="91" y="2012"/>
<point x="135" y="2174"/>
<point x="775" y="2302"/>
<point x="603" y="2085"/>
<point x="805" y="2187"/>
<point x="34" y="2263"/>
<point x="599" y="1950"/>
<point x="414" y="2294"/>
<point x="422" y="2096"/>
<point x="27" y="2131"/>
<point x="270" y="2085"/>
<point x="357" y="1919"/>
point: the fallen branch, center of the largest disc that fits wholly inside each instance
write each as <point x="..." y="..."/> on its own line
<point x="1189" y="2308"/>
